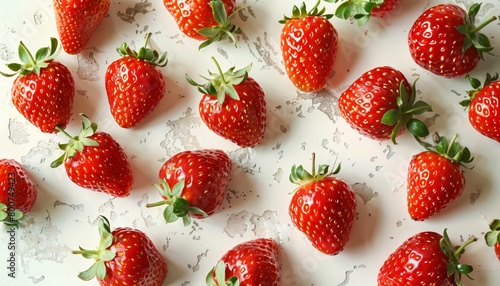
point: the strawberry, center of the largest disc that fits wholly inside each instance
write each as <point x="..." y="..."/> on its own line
<point x="484" y="106"/>
<point x="94" y="160"/>
<point x="205" y="20"/>
<point x="309" y="45"/>
<point x="362" y="10"/>
<point x="233" y="106"/>
<point x="44" y="90"/>
<point x="250" y="263"/>
<point x="125" y="256"/>
<point x="381" y="103"/>
<point x="322" y="207"/>
<point x="445" y="40"/>
<point x="193" y="184"/>
<point x="17" y="191"/>
<point x="492" y="237"/>
<point x="134" y="85"/>
<point x="435" y="178"/>
<point x="77" y="20"/>
<point x="426" y="258"/>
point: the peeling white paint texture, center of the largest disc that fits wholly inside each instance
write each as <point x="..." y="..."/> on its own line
<point x="142" y="7"/>
<point x="199" y="258"/>
<point x="18" y="132"/>
<point x="88" y="67"/>
<point x="265" y="225"/>
<point x="39" y="154"/>
<point x="105" y="206"/>
<point x="243" y="158"/>
<point x="278" y="175"/>
<point x="474" y="196"/>
<point x="5" y="54"/>
<point x="79" y="207"/>
<point x="148" y="219"/>
<point x="40" y="240"/>
<point x="364" y="192"/>
<point x="180" y="136"/>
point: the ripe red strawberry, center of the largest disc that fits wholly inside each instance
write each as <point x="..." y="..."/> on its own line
<point x="94" y="160"/>
<point x="309" y="45"/>
<point x="17" y="191"/>
<point x="435" y="178"/>
<point x="322" y="207"/>
<point x="426" y="258"/>
<point x="44" y="90"/>
<point x="362" y="10"/>
<point x="205" y="20"/>
<point x="125" y="256"/>
<point x="233" y="106"/>
<point x="484" y="106"/>
<point x="134" y="85"/>
<point x="445" y="40"/>
<point x="77" y="20"/>
<point x="492" y="237"/>
<point x="193" y="184"/>
<point x="250" y="263"/>
<point x="381" y="103"/>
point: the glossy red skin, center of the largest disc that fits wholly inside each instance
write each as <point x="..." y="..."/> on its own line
<point x="497" y="250"/>
<point x="369" y="97"/>
<point x="254" y="262"/>
<point x="433" y="183"/>
<point x="324" y="211"/>
<point x="46" y="100"/>
<point x="436" y="45"/>
<point x="484" y="111"/>
<point x="76" y="21"/>
<point x="193" y="15"/>
<point x="104" y="168"/>
<point x="309" y="47"/>
<point x="385" y="8"/>
<point x="418" y="261"/>
<point x="17" y="190"/>
<point x="134" y="88"/>
<point x="137" y="261"/>
<point x="241" y="121"/>
<point x="206" y="175"/>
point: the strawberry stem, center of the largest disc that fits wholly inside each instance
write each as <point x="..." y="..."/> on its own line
<point x="484" y="24"/>
<point x="157" y="204"/>
<point x="224" y="82"/>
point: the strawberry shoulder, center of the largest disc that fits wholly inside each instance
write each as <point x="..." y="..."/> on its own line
<point x="484" y="110"/>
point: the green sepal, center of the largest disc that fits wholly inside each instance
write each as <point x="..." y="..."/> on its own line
<point x="101" y="255"/>
<point x="300" y="176"/>
<point x="453" y="253"/>
<point x="222" y="83"/>
<point x="10" y="218"/>
<point x="355" y="9"/>
<point x="477" y="86"/>
<point x="149" y="55"/>
<point x="492" y="237"/>
<point x="30" y="64"/>
<point x="220" y="275"/>
<point x="472" y="36"/>
<point x="76" y="143"/>
<point x="302" y="12"/>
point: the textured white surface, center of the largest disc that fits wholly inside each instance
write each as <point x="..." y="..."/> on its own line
<point x="64" y="215"/>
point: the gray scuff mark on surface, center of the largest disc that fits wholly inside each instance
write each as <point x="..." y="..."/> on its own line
<point x="372" y="159"/>
<point x="88" y="67"/>
<point x="474" y="196"/>
<point x="243" y="158"/>
<point x="327" y="103"/>
<point x="265" y="225"/>
<point x="199" y="258"/>
<point x="142" y="7"/>
<point x="366" y="193"/>
<point x="399" y="223"/>
<point x="79" y="207"/>
<point x="180" y="136"/>
<point x="378" y="168"/>
<point x="389" y="151"/>
<point x="36" y="280"/>
<point x="195" y="227"/>
<point x="39" y="18"/>
<point x="5" y="53"/>
<point x="430" y="121"/>
<point x="18" y="133"/>
<point x="278" y="175"/>
<point x="185" y="283"/>
<point x="40" y="240"/>
<point x="347" y="278"/>
<point x="107" y="205"/>
<point x="148" y="219"/>
<point x="166" y="244"/>
<point x="38" y="155"/>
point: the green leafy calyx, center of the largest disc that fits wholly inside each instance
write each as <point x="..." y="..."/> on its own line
<point x="359" y="10"/>
<point x="453" y="253"/>
<point x="477" y="86"/>
<point x="492" y="237"/>
<point x="101" y="255"/>
<point x="220" y="275"/>
<point x="144" y="53"/>
<point x="10" y="217"/>
<point x="401" y="117"/>
<point x="451" y="150"/>
<point x="224" y="29"/>
<point x="221" y="84"/>
<point x="177" y="207"/>
<point x="30" y="64"/>
<point x="76" y="143"/>
<point x="302" y="12"/>
<point x="472" y="36"/>
<point x="300" y="176"/>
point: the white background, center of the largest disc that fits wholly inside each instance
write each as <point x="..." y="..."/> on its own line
<point x="64" y="215"/>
